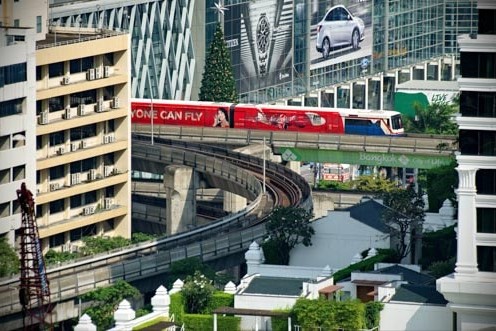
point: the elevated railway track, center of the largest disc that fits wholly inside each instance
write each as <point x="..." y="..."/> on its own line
<point x="229" y="235"/>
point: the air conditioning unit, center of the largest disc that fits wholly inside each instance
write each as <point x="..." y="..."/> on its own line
<point x="74" y="248"/>
<point x="108" y="138"/>
<point x="43" y="119"/>
<point x="81" y="109"/>
<point x="65" y="80"/>
<point x="66" y="248"/>
<point x="74" y="147"/>
<point x="106" y="71"/>
<point x="67" y="113"/>
<point x="54" y="187"/>
<point x="107" y="171"/>
<point x="76" y="178"/>
<point x="61" y="150"/>
<point x="92" y="174"/>
<point x="98" y="73"/>
<point x="108" y="203"/>
<point x="90" y="74"/>
<point x="114" y="103"/>
<point x="83" y="144"/>
<point x="88" y="210"/>
<point x="99" y="107"/>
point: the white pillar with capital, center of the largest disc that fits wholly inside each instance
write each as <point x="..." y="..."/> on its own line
<point x="466" y="261"/>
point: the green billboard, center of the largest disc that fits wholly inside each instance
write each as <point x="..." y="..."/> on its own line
<point x="365" y="158"/>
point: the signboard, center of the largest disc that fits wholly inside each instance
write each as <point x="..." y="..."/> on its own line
<point x="365" y="158"/>
<point x="259" y="35"/>
<point x="341" y="30"/>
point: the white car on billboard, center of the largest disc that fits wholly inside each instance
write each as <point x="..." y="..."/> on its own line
<point x="339" y="28"/>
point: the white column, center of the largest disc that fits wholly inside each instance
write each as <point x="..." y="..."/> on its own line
<point x="215" y="322"/>
<point x="466" y="262"/>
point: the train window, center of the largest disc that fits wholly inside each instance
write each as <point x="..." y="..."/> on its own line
<point x="396" y="122"/>
<point x="353" y="121"/>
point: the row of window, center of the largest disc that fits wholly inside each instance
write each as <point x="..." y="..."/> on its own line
<point x="79" y="166"/>
<point x="75" y="99"/>
<point x="75" y="134"/>
<point x="14" y="73"/>
<point x="79" y="233"/>
<point x="75" y="66"/>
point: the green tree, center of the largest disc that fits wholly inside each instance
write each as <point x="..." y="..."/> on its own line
<point x="440" y="185"/>
<point x="436" y="118"/>
<point x="287" y="227"/>
<point x="404" y="219"/>
<point x="9" y="262"/>
<point x="104" y="302"/>
<point x="218" y="80"/>
<point x="373" y="183"/>
<point x="197" y="293"/>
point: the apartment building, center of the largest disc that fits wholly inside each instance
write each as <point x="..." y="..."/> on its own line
<point x="471" y="290"/>
<point x="83" y="155"/>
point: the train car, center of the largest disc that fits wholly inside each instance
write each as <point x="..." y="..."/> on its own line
<point x="266" y="117"/>
<point x="372" y="122"/>
<point x="287" y="118"/>
<point x="173" y="112"/>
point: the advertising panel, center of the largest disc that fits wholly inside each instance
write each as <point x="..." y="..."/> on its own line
<point x="341" y="30"/>
<point x="259" y="35"/>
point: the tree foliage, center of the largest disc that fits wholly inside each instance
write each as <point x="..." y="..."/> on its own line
<point x="287" y="227"/>
<point x="440" y="185"/>
<point x="9" y="261"/>
<point x="197" y="293"/>
<point x="404" y="218"/>
<point x="218" y="80"/>
<point x="105" y="300"/>
<point x="436" y="118"/>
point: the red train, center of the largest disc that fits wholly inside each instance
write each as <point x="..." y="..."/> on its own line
<point x="266" y="117"/>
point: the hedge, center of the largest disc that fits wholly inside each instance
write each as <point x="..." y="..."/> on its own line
<point x="385" y="255"/>
<point x="220" y="299"/>
<point x="196" y="322"/>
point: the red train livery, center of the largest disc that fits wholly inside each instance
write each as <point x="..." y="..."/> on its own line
<point x="266" y="117"/>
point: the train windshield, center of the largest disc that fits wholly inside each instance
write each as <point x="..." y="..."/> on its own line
<point x="396" y="122"/>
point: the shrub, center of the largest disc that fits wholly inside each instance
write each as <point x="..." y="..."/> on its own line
<point x="373" y="314"/>
<point x="197" y="293"/>
<point x="194" y="322"/>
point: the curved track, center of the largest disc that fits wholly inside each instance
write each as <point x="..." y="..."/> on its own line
<point x="229" y="235"/>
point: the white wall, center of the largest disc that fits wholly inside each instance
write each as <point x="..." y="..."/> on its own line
<point x="336" y="240"/>
<point x="398" y="316"/>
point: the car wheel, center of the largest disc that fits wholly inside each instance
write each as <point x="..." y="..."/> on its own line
<point x="355" y="39"/>
<point x="326" y="48"/>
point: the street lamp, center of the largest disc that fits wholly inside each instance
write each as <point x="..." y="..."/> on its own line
<point x="152" y="113"/>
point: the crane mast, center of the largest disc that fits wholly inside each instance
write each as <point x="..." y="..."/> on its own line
<point x="34" y="289"/>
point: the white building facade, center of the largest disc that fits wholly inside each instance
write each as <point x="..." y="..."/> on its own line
<point x="17" y="122"/>
<point x="471" y="290"/>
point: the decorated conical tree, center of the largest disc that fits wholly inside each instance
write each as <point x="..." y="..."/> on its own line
<point x="218" y="80"/>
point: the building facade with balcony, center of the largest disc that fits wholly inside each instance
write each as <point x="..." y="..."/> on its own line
<point x="83" y="156"/>
<point x="471" y="289"/>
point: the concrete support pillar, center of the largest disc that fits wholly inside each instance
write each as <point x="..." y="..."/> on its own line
<point x="466" y="261"/>
<point x="233" y="202"/>
<point x="295" y="166"/>
<point x="180" y="185"/>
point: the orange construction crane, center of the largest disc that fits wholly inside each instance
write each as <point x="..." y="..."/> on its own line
<point x="34" y="290"/>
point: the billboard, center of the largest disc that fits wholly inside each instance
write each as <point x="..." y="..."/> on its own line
<point x="341" y="30"/>
<point x="259" y="35"/>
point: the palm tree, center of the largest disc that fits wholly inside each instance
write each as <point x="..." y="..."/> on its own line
<point x="436" y="118"/>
